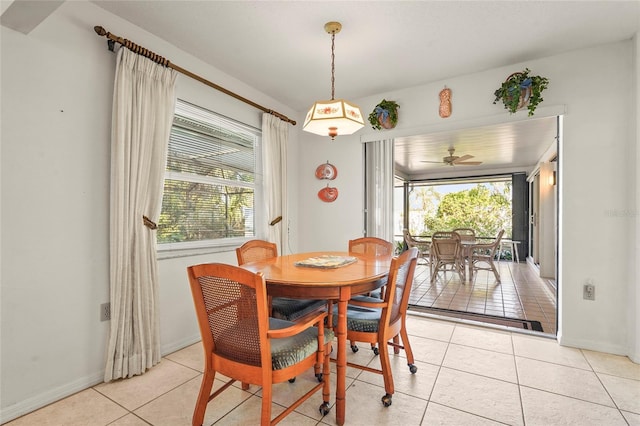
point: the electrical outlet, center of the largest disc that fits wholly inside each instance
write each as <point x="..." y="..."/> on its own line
<point x="589" y="291"/>
<point x="105" y="311"/>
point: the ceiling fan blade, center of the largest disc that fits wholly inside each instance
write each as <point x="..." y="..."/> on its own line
<point x="462" y="158"/>
<point x="432" y="162"/>
<point x="468" y="163"/>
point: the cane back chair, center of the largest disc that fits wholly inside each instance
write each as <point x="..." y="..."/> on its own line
<point x="241" y="342"/>
<point x="373" y="246"/>
<point x="280" y="307"/>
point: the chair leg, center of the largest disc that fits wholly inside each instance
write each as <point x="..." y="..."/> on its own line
<point x="407" y="348"/>
<point x="326" y="388"/>
<point x="387" y="375"/>
<point x="203" y="397"/>
<point x="434" y="273"/>
<point x="267" y="393"/>
<point x="495" y="270"/>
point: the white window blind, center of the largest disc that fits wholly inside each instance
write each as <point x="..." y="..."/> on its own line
<point x="211" y="180"/>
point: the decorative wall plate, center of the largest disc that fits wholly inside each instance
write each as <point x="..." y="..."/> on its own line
<point x="328" y="195"/>
<point x="326" y="171"/>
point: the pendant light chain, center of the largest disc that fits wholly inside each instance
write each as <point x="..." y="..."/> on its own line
<point x="333" y="67"/>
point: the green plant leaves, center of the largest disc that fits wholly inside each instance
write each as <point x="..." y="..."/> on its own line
<point x="516" y="84"/>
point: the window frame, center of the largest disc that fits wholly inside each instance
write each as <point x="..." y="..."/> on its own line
<point x="189" y="248"/>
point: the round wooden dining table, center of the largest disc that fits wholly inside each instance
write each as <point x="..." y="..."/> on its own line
<point x="285" y="279"/>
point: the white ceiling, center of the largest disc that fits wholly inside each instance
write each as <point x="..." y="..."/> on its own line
<point x="281" y="48"/>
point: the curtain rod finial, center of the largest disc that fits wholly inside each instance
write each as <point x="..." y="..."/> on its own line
<point x="100" y="30"/>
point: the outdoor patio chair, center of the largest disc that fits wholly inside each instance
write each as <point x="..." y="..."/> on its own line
<point x="383" y="322"/>
<point x="241" y="342"/>
<point x="424" y="247"/>
<point x="482" y="257"/>
<point x="466" y="234"/>
<point x="446" y="254"/>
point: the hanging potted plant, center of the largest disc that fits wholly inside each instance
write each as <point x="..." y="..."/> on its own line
<point x="521" y="89"/>
<point x="384" y="115"/>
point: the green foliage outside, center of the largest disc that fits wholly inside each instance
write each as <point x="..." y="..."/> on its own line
<point x="197" y="211"/>
<point x="485" y="208"/>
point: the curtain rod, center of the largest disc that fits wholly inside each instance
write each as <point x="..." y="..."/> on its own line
<point x="163" y="61"/>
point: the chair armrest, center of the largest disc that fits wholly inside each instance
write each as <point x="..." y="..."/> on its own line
<point x="300" y="325"/>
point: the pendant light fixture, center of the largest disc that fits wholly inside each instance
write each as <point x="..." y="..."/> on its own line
<point x="335" y="116"/>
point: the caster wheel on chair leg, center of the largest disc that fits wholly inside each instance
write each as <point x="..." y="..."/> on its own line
<point x="292" y="380"/>
<point x="324" y="409"/>
<point x="413" y="368"/>
<point x="386" y="400"/>
<point x="319" y="377"/>
<point x="354" y="349"/>
<point x="376" y="351"/>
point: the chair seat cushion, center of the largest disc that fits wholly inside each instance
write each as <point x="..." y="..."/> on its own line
<point x="288" y="351"/>
<point x="285" y="352"/>
<point x="293" y="309"/>
<point x="377" y="293"/>
<point x="360" y="319"/>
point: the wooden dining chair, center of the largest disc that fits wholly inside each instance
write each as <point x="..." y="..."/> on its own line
<point x="383" y="322"/>
<point x="482" y="257"/>
<point x="372" y="246"/>
<point x="376" y="247"/>
<point x="447" y="254"/>
<point x="242" y="342"/>
<point x="280" y="307"/>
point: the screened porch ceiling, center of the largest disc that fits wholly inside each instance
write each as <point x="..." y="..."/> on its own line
<point x="502" y="148"/>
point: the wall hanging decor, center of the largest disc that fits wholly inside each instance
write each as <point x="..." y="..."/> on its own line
<point x="445" y="102"/>
<point x="384" y="115"/>
<point x="328" y="194"/>
<point x="521" y="90"/>
<point x="326" y="171"/>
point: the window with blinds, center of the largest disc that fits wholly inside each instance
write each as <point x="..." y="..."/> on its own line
<point x="211" y="181"/>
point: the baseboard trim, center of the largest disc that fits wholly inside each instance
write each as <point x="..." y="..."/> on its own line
<point x="53" y="395"/>
<point x="595" y="346"/>
<point x="38" y="401"/>
<point x="176" y="346"/>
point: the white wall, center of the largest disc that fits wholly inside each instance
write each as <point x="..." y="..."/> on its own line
<point x="597" y="168"/>
<point x="57" y="84"/>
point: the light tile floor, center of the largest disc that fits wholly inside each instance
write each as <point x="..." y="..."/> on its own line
<point x="521" y="293"/>
<point x="467" y="375"/>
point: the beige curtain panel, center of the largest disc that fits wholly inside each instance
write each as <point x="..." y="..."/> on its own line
<point x="275" y="134"/>
<point x="143" y="106"/>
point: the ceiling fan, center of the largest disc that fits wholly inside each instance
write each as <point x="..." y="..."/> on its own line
<point x="454" y="160"/>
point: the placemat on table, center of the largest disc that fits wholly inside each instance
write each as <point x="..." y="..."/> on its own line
<point x="327" y="261"/>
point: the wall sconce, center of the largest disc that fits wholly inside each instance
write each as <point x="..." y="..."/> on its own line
<point x="552" y="178"/>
